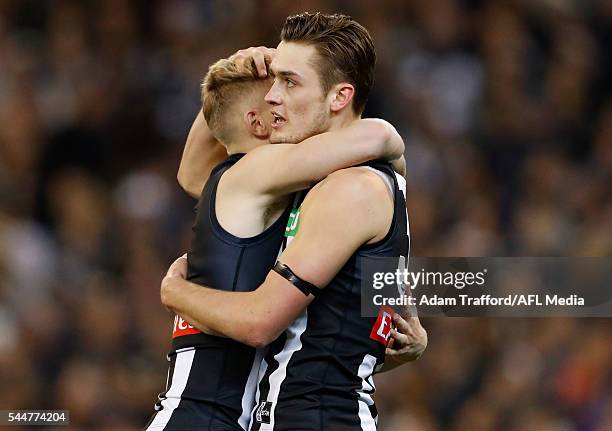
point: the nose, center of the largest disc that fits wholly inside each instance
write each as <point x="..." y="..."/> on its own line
<point x="273" y="96"/>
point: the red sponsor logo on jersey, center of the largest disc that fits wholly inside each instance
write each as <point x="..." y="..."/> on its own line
<point x="182" y="328"/>
<point x="382" y="327"/>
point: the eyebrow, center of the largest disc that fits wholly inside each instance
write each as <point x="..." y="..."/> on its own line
<point x="284" y="73"/>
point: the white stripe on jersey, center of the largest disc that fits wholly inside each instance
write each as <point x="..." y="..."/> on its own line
<point x="248" y="398"/>
<point x="263" y="367"/>
<point x="292" y="345"/>
<point x="401" y="183"/>
<point x="182" y="368"/>
<point x="368" y="423"/>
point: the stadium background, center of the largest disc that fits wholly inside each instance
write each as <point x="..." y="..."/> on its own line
<point x="506" y="111"/>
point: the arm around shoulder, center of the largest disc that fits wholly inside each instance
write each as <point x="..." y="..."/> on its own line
<point x="273" y="170"/>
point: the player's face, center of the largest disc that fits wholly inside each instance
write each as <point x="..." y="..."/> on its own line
<point x="298" y="105"/>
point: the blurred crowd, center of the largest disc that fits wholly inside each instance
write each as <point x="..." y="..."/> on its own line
<point x="506" y="110"/>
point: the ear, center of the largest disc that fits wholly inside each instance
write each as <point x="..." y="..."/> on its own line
<point x="341" y="95"/>
<point x="256" y="125"/>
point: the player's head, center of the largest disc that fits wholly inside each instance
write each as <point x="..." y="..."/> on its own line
<point x="324" y="71"/>
<point x="233" y="104"/>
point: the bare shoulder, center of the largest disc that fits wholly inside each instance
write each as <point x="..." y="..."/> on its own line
<point x="355" y="191"/>
<point x="356" y="184"/>
<point x="355" y="194"/>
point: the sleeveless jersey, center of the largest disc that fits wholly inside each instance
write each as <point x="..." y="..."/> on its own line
<point x="317" y="376"/>
<point x="210" y="385"/>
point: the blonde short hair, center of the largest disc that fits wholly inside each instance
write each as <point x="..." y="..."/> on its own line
<point x="222" y="87"/>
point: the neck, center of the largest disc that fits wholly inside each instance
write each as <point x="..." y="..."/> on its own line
<point x="342" y="119"/>
<point x="244" y="145"/>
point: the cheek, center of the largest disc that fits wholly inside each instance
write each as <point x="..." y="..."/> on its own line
<point x="302" y="99"/>
<point x="267" y="118"/>
<point x="308" y="108"/>
<point x="317" y="111"/>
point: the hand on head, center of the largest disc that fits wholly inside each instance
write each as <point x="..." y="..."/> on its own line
<point x="259" y="55"/>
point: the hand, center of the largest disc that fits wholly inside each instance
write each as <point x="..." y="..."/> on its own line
<point x="178" y="269"/>
<point x="407" y="342"/>
<point x="394" y="149"/>
<point x="399" y="166"/>
<point x="258" y="55"/>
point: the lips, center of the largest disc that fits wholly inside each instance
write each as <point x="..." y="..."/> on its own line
<point x="278" y="120"/>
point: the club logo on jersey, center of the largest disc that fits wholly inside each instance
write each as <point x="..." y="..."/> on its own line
<point x="262" y="414"/>
<point x="182" y="328"/>
<point x="382" y="327"/>
<point x="293" y="223"/>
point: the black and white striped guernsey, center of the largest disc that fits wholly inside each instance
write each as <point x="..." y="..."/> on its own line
<point x="211" y="380"/>
<point x="317" y="376"/>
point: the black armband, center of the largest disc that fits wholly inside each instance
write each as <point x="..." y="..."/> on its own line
<point x="305" y="287"/>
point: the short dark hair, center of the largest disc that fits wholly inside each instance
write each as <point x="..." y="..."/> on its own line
<point x="345" y="48"/>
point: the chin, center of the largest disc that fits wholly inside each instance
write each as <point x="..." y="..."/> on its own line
<point x="278" y="137"/>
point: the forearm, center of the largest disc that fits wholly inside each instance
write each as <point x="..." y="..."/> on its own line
<point x="201" y="153"/>
<point x="320" y="155"/>
<point x="363" y="140"/>
<point x="190" y="320"/>
<point x="231" y="314"/>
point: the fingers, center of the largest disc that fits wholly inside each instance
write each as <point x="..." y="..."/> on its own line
<point x="178" y="267"/>
<point x="256" y="55"/>
<point x="408" y="310"/>
<point x="402" y="344"/>
<point x="260" y="64"/>
<point x="391" y="350"/>
<point x="400" y="339"/>
<point x="407" y="340"/>
<point x="402" y="324"/>
<point x="409" y="325"/>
